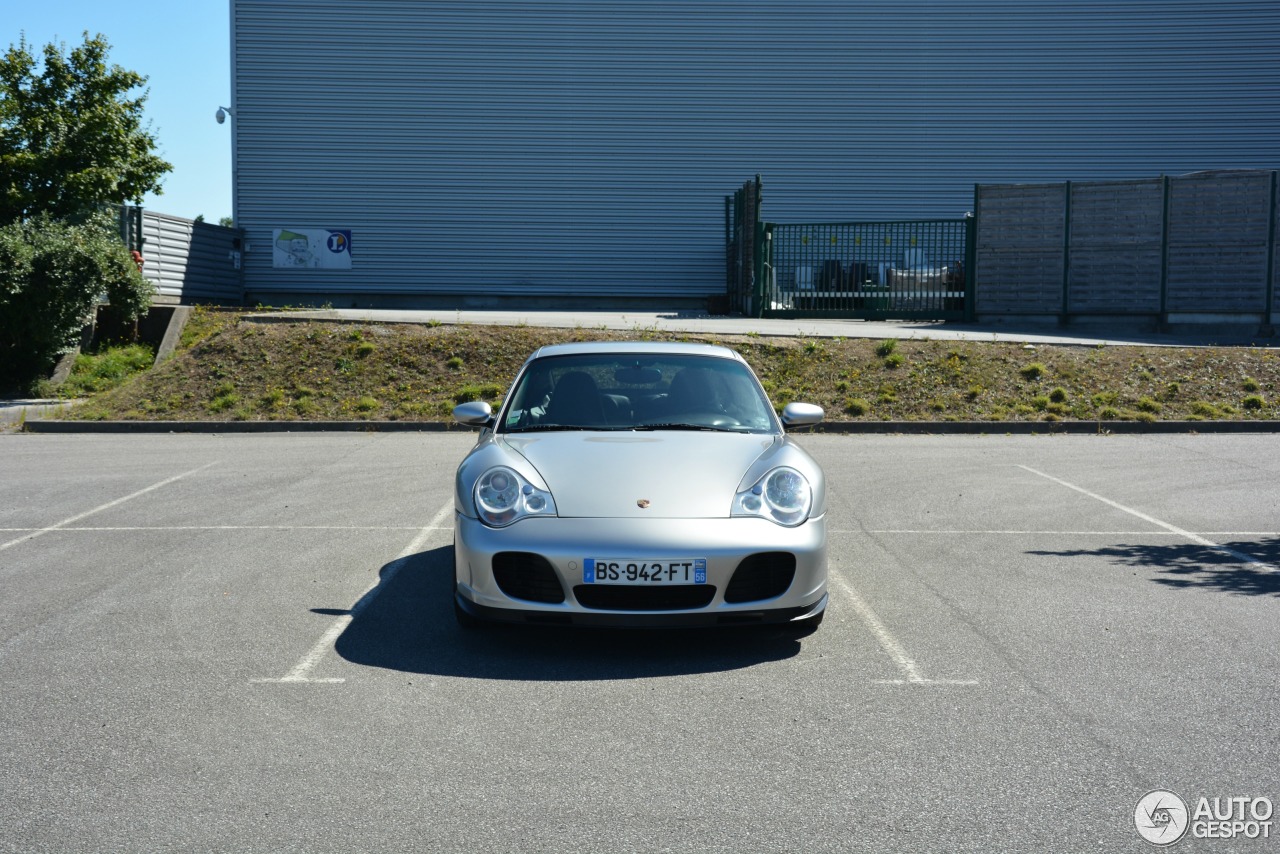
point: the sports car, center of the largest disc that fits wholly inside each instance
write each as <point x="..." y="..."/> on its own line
<point x="639" y="485"/>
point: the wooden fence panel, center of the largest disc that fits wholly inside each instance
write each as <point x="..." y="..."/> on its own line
<point x="1219" y="224"/>
<point x="1115" y="247"/>
<point x="1020" y="248"/>
<point x="1199" y="247"/>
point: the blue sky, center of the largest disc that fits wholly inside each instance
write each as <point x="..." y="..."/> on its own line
<point x="184" y="48"/>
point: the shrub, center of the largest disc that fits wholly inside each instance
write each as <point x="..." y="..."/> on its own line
<point x="1147" y="404"/>
<point x="857" y="406"/>
<point x="884" y="348"/>
<point x="1105" y="398"/>
<point x="1204" y="409"/>
<point x="1250" y="384"/>
<point x="1033" y="371"/>
<point x="1058" y="395"/>
<point x="223" y="402"/>
<point x="1253" y="402"/>
<point x="893" y="360"/>
<point x="483" y="391"/>
<point x="51" y="278"/>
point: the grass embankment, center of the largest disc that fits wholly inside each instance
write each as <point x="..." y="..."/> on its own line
<point x="231" y="369"/>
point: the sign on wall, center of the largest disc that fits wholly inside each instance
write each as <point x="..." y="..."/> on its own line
<point x="314" y="248"/>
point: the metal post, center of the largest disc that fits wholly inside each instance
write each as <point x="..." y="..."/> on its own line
<point x="1269" y="313"/>
<point x="1066" y="254"/>
<point x="1164" y="253"/>
<point x="970" y="255"/>
<point x="971" y="275"/>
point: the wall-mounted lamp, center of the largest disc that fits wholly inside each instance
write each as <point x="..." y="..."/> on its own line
<point x="221" y="115"/>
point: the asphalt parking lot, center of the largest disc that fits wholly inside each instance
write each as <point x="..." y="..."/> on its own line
<point x="245" y="643"/>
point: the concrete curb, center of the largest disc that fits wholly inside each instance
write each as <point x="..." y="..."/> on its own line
<point x="42" y="426"/>
<point x="1039" y="428"/>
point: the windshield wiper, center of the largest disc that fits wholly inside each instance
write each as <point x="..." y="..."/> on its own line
<point x="685" y="425"/>
<point x="546" y="428"/>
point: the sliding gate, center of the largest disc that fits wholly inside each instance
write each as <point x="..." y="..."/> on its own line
<point x="870" y="270"/>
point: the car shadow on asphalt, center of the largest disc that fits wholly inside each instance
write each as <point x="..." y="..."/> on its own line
<point x="408" y="625"/>
<point x="1189" y="566"/>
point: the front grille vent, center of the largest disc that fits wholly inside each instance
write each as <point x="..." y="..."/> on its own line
<point x="523" y="575"/>
<point x="761" y="576"/>
<point x="624" y="597"/>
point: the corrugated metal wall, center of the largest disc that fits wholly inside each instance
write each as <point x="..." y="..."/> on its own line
<point x="192" y="261"/>
<point x="585" y="146"/>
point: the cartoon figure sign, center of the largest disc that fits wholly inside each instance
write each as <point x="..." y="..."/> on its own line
<point x="314" y="248"/>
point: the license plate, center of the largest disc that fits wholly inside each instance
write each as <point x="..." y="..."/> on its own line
<point x="616" y="570"/>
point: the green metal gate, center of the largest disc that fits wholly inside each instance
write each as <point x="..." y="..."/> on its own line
<point x="744" y="249"/>
<point x="910" y="270"/>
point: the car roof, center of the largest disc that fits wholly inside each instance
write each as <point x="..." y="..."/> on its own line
<point x="653" y="348"/>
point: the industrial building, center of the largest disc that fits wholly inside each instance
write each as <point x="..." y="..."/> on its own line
<point x="448" y="152"/>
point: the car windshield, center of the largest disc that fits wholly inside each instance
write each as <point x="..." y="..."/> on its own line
<point x="637" y="392"/>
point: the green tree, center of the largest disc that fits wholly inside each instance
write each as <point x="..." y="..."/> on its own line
<point x="52" y="275"/>
<point x="72" y="137"/>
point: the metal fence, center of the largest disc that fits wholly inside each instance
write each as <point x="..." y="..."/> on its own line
<point x="872" y="270"/>
<point x="743" y="249"/>
<point x="861" y="270"/>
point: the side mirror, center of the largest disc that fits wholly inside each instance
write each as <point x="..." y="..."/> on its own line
<point x="476" y="413"/>
<point x="801" y="414"/>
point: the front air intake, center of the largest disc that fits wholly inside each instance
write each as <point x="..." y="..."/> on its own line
<point x="761" y="576"/>
<point x="527" y="576"/>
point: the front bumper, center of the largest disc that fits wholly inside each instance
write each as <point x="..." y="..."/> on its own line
<point x="564" y="544"/>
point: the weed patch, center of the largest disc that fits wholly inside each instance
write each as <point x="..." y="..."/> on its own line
<point x="228" y="368"/>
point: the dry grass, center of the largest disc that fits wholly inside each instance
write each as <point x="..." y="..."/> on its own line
<point x="229" y="368"/>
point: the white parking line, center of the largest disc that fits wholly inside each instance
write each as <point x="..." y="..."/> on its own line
<point x="913" y="532"/>
<point x="1248" y="560"/>
<point x="302" y="671"/>
<point x="241" y="528"/>
<point x="39" y="532"/>
<point x="905" y="663"/>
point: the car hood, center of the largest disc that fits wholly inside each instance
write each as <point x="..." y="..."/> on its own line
<point x="609" y="475"/>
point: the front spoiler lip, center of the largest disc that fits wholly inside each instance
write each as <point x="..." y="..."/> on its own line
<point x="644" y="619"/>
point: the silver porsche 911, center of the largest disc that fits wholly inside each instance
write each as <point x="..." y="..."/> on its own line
<point x="639" y="484"/>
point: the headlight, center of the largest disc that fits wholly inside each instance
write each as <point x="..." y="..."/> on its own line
<point x="783" y="495"/>
<point x="503" y="497"/>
